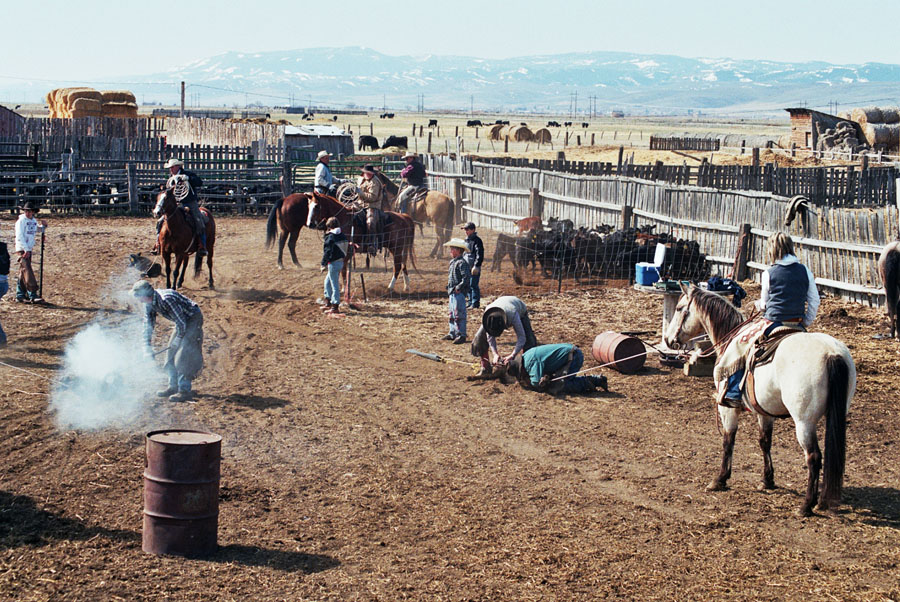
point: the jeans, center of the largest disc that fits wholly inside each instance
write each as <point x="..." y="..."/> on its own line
<point x="4" y="288"/>
<point x="405" y="196"/>
<point x="734" y="391"/>
<point x="457" y="315"/>
<point x="474" y="295"/>
<point x="184" y="359"/>
<point x="332" y="282"/>
<point x="576" y="384"/>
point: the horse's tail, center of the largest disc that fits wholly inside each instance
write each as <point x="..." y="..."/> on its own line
<point x="410" y="250"/>
<point x="838" y="372"/>
<point x="272" y="223"/>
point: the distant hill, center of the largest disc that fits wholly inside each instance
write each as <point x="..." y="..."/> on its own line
<point x="637" y="83"/>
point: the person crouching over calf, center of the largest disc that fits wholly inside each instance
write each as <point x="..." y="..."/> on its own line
<point x="457" y="287"/>
<point x="505" y="312"/>
<point x="184" y="357"/>
<point x="541" y="366"/>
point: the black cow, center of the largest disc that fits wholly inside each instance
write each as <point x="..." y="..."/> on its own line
<point x="584" y="124"/>
<point x="552" y="124"/>
<point x="432" y="123"/>
<point x="368" y="142"/>
<point x="567" y="123"/>
<point x="399" y="141"/>
<point x="524" y="124"/>
<point x="334" y="118"/>
<point x="506" y="246"/>
<point x="473" y="123"/>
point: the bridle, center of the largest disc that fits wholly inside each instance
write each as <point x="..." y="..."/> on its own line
<point x="341" y="207"/>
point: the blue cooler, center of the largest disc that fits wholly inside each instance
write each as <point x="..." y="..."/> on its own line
<point x="645" y="273"/>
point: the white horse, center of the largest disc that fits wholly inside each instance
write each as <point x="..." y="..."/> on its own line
<point x="811" y="375"/>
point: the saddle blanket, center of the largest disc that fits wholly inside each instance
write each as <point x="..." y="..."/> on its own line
<point x="749" y="342"/>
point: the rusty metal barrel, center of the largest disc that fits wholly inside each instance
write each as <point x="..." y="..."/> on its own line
<point x="624" y="353"/>
<point x="181" y="493"/>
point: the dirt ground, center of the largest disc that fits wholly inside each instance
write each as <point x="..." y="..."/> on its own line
<point x="352" y="470"/>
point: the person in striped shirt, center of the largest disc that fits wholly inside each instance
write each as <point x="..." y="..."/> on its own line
<point x="184" y="357"/>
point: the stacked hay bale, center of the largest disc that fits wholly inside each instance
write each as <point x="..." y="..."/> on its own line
<point x="67" y="103"/>
<point x="843" y="138"/>
<point x="880" y="126"/>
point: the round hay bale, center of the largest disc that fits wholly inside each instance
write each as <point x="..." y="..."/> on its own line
<point x="877" y="133"/>
<point x="894" y="129"/>
<point x="543" y="136"/>
<point x="117" y="96"/>
<point x="520" y="133"/>
<point x="86" y="107"/>
<point x="495" y="131"/>
<point x="863" y="115"/>
<point x="890" y="115"/>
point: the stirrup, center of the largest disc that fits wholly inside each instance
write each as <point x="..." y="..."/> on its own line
<point x="735" y="404"/>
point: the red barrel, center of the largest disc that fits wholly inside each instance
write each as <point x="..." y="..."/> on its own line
<point x="614" y="347"/>
<point x="181" y="493"/>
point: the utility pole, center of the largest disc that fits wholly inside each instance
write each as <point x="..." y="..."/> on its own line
<point x="182" y="98"/>
<point x="471" y="105"/>
<point x="383" y="103"/>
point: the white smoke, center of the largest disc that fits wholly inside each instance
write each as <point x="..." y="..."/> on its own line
<point x="107" y="376"/>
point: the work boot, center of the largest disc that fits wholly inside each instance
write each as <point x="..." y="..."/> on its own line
<point x="182" y="396"/>
<point x="201" y="249"/>
<point x="335" y="309"/>
<point x="460" y="340"/>
<point x="448" y="337"/>
<point x="155" y="249"/>
<point x="327" y="307"/>
<point x="599" y="382"/>
<point x="167" y="392"/>
<point x="730" y="402"/>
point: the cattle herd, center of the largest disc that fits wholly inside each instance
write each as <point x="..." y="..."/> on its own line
<point x="562" y="250"/>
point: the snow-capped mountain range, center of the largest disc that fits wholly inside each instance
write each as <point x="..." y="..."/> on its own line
<point x="636" y="83"/>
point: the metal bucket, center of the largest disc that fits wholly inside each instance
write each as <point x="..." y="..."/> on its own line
<point x="618" y="348"/>
<point x="181" y="493"/>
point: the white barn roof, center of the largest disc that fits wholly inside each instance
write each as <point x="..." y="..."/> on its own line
<point x="313" y="130"/>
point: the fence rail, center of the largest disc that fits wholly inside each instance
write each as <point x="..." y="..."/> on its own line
<point x="676" y="143"/>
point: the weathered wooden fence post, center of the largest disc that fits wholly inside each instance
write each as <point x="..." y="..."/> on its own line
<point x="133" y="195"/>
<point x="535" y="203"/>
<point x="429" y="142"/>
<point x="627" y="213"/>
<point x="755" y="161"/>
<point x="743" y="253"/>
<point x="287" y="178"/>
<point x="457" y="199"/>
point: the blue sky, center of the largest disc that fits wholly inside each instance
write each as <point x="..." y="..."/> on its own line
<point x="92" y="39"/>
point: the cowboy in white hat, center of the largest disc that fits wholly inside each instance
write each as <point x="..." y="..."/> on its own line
<point x="325" y="181"/>
<point x="189" y="183"/>
<point x="457" y="287"/>
<point x="414" y="174"/>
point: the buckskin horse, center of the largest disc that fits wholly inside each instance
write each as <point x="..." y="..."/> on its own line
<point x="399" y="235"/>
<point x="812" y="375"/>
<point x="435" y="207"/>
<point x="289" y="214"/>
<point x="177" y="237"/>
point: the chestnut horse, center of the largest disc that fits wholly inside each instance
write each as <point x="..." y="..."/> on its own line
<point x="435" y="207"/>
<point x="177" y="237"/>
<point x="289" y="214"/>
<point x="399" y="235"/>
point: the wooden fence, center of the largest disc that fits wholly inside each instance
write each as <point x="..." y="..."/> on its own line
<point x="841" y="186"/>
<point x="841" y="245"/>
<point x="689" y="144"/>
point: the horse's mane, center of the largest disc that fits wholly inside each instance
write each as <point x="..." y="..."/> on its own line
<point x="723" y="316"/>
<point x="387" y="183"/>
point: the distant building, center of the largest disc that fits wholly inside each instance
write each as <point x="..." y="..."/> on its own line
<point x="303" y="142"/>
<point x="806" y="124"/>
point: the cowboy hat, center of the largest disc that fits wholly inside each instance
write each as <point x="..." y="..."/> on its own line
<point x="410" y="155"/>
<point x="142" y="288"/>
<point x="29" y="206"/>
<point x="173" y="162"/>
<point x="494" y="321"/>
<point x="322" y="154"/>
<point x="458" y="243"/>
<point x="367" y="169"/>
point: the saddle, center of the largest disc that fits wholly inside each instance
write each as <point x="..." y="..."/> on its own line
<point x="187" y="216"/>
<point x="750" y="349"/>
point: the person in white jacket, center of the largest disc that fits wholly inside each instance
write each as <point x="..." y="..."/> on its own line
<point x="27" y="228"/>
